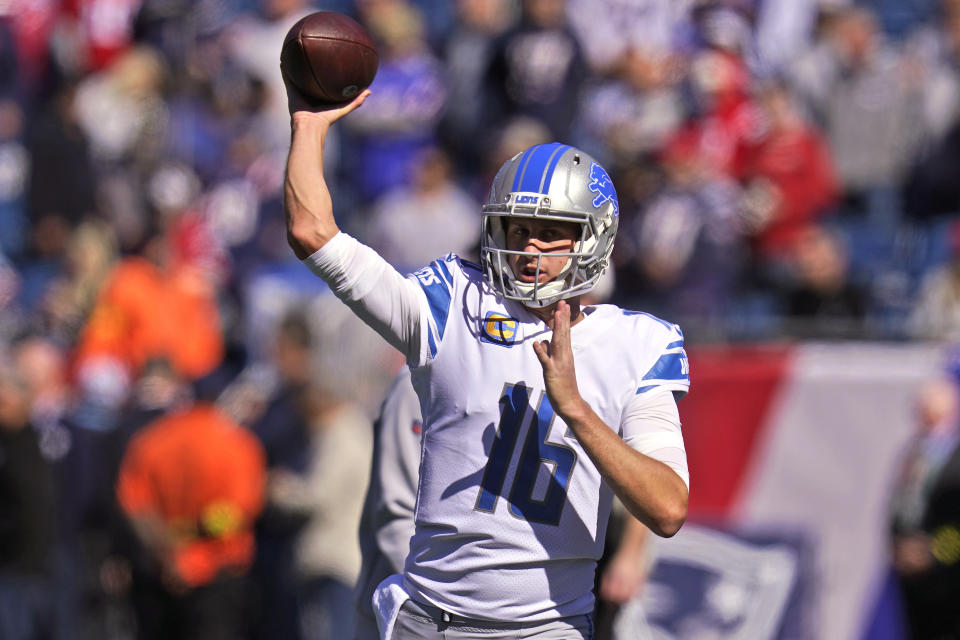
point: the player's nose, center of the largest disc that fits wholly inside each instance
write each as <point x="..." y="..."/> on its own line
<point x="534" y="245"/>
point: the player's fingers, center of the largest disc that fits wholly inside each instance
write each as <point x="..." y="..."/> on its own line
<point x="561" y="325"/>
<point x="354" y="104"/>
<point x="542" y="350"/>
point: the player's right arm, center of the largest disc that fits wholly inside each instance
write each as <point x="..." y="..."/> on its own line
<point x="306" y="198"/>
<point x="395" y="307"/>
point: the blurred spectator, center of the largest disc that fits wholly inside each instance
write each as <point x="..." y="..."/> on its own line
<point x="637" y="110"/>
<point x="27" y="524"/>
<point x="821" y="299"/>
<point x="278" y="420"/>
<point x="517" y="135"/>
<point x="89" y="258"/>
<point x="724" y="115"/>
<point x="276" y="417"/>
<point x="725" y="25"/>
<point x="218" y="120"/>
<point x="255" y="40"/>
<point x="81" y="474"/>
<point x="611" y="30"/>
<point x="467" y="51"/>
<point x="784" y="31"/>
<point x="62" y="183"/>
<point x="43" y="367"/>
<point x="925" y="513"/>
<point x="936" y="314"/>
<point x="538" y="68"/>
<point x="98" y="31"/>
<point x="121" y="110"/>
<point x="329" y="495"/>
<point x="409" y="96"/>
<point x="156" y="392"/>
<point x="126" y="329"/>
<point x="932" y="53"/>
<point x="788" y="175"/>
<point x="348" y="362"/>
<point x="869" y="102"/>
<point x="192" y="485"/>
<point x="685" y="243"/>
<point x="935" y="53"/>
<point x="27" y="28"/>
<point x="415" y="224"/>
<point x="932" y="189"/>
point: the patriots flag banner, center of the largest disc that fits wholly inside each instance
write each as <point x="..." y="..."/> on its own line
<point x="793" y="452"/>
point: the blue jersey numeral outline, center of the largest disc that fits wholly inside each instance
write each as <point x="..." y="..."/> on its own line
<point x="536" y="451"/>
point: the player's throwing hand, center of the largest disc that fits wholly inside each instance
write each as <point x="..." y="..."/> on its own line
<point x="298" y="103"/>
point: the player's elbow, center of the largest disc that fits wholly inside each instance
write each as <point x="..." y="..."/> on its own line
<point x="304" y="238"/>
<point x="670" y="521"/>
<point x="669" y="515"/>
<point x="298" y="242"/>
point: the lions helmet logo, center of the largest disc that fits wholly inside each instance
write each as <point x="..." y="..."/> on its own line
<point x="601" y="185"/>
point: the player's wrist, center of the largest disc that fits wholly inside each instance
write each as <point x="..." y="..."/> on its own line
<point x="574" y="412"/>
<point x="306" y="119"/>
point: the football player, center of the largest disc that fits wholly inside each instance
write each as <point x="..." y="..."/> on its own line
<point x="536" y="410"/>
<point x="388" y="518"/>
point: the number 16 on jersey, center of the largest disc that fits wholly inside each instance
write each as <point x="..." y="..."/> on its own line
<point x="537" y="452"/>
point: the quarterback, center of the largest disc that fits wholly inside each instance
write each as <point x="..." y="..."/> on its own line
<point x="536" y="410"/>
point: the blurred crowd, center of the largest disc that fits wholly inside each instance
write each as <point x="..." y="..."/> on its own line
<point x="786" y="170"/>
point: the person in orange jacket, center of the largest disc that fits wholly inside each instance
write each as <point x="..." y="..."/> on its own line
<point x="191" y="484"/>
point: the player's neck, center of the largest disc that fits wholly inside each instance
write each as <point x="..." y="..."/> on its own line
<point x="546" y="313"/>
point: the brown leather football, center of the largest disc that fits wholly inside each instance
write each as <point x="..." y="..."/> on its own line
<point x="329" y="57"/>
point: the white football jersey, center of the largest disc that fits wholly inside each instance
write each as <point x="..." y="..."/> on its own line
<point x="511" y="512"/>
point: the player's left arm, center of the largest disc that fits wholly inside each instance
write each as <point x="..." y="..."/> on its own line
<point x="650" y="490"/>
<point x="627" y="570"/>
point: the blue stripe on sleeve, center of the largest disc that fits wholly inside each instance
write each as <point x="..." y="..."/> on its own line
<point x="432" y="343"/>
<point x="674" y="345"/>
<point x="647" y="388"/>
<point x="438" y="296"/>
<point x="670" y="366"/>
<point x="445" y="271"/>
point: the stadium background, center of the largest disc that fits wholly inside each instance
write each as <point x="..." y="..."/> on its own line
<point x="786" y="172"/>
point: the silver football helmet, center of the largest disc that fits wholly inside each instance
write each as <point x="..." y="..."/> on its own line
<point x="553" y="182"/>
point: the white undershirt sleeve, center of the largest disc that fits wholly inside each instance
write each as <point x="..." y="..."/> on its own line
<point x="374" y="290"/>
<point x="651" y="426"/>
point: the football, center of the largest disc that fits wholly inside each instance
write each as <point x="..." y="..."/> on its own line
<point x="329" y="57"/>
